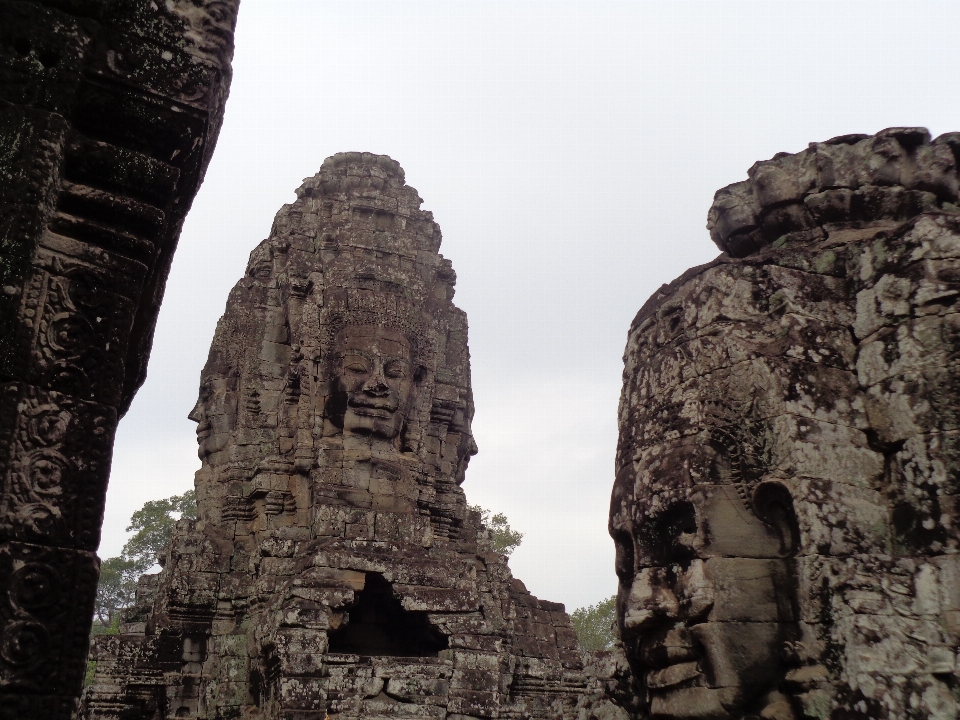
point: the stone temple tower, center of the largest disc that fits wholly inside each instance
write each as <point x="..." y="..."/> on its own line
<point x="786" y="510"/>
<point x="334" y="568"/>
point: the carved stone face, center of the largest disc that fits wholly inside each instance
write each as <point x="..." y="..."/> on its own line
<point x="704" y="602"/>
<point x="374" y="380"/>
<point x="215" y="414"/>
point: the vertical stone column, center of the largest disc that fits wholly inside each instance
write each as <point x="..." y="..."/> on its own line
<point x="109" y="112"/>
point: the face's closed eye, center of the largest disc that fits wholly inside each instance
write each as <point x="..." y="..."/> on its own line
<point x="669" y="537"/>
<point x="395" y="369"/>
<point x="625" y="567"/>
<point x="356" y="364"/>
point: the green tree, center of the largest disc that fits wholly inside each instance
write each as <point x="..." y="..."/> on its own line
<point x="116" y="589"/>
<point x="595" y="624"/>
<point x="505" y="539"/>
<point x="152" y="526"/>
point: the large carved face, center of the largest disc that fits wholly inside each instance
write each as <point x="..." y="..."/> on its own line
<point x="374" y="380"/>
<point x="837" y="336"/>
<point x="215" y="414"/>
<point x="703" y="525"/>
<point x="704" y="603"/>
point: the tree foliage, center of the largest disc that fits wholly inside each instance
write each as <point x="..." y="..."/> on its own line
<point x="505" y="539"/>
<point x="595" y="624"/>
<point x="152" y="526"/>
<point x="118" y="581"/>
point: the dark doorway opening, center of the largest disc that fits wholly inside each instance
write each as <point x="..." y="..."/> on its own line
<point x="378" y="625"/>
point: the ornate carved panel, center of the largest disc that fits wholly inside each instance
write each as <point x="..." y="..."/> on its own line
<point x="108" y="114"/>
<point x="45" y="593"/>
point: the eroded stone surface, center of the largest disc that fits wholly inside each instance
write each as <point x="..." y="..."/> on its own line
<point x="109" y="112"/>
<point x="335" y="569"/>
<point x="785" y="508"/>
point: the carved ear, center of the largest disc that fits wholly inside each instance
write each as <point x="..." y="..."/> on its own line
<point x="773" y="504"/>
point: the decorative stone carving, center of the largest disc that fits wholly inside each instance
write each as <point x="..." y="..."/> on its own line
<point x="335" y="569"/>
<point x="42" y="632"/>
<point x="109" y="112"/>
<point x="785" y="507"/>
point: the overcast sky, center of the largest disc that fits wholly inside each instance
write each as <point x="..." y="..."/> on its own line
<point x="569" y="151"/>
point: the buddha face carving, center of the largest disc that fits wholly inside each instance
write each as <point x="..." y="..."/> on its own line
<point x="705" y="597"/>
<point x="374" y="380"/>
<point x="215" y="414"/>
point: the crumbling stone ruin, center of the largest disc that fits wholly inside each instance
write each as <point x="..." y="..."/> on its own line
<point x="334" y="569"/>
<point x="786" y="508"/>
<point x="109" y="112"/>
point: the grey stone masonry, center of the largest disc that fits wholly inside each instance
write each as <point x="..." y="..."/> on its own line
<point x="335" y="569"/>
<point x="787" y="503"/>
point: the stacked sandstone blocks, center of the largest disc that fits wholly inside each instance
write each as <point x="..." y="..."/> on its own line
<point x="787" y="505"/>
<point x="335" y="569"/>
<point x="851" y="180"/>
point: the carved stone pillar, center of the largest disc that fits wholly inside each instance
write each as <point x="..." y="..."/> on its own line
<point x="109" y="112"/>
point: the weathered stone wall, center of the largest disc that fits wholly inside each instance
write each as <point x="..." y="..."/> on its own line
<point x="335" y="569"/>
<point x="109" y="111"/>
<point x="786" y="503"/>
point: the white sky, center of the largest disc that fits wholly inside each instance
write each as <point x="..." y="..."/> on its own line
<point x="569" y="151"/>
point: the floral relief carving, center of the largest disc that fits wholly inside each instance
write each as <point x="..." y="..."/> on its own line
<point x="80" y="330"/>
<point x="31" y="499"/>
<point x="108" y="120"/>
<point x="39" y="590"/>
<point x="46" y="488"/>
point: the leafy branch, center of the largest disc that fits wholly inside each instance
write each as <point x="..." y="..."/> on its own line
<point x="505" y="539"/>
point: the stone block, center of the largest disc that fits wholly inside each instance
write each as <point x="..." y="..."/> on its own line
<point x="301" y="693"/>
<point x="479" y="680"/>
<point x="419" y="598"/>
<point x="473" y="703"/>
<point x="43" y="639"/>
<point x="57" y="449"/>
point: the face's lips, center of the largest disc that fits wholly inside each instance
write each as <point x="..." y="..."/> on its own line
<point x="203" y="430"/>
<point x="667" y="647"/>
<point x="669" y="659"/>
<point x="660" y="655"/>
<point x="382" y="413"/>
<point x="373" y="408"/>
<point x="672" y="675"/>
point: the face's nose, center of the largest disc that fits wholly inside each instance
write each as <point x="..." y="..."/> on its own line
<point x="652" y="600"/>
<point x="698" y="591"/>
<point x="197" y="413"/>
<point x="376" y="384"/>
